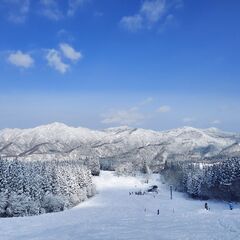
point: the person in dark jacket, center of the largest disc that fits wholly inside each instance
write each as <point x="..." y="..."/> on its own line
<point x="206" y="206"/>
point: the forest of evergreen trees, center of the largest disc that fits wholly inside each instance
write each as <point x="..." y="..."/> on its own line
<point x="36" y="187"/>
<point x="218" y="179"/>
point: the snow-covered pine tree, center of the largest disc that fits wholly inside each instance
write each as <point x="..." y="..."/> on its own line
<point x="30" y="188"/>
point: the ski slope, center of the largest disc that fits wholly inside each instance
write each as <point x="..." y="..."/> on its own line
<point x="113" y="214"/>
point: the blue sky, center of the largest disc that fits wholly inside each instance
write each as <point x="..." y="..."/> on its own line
<point x="156" y="64"/>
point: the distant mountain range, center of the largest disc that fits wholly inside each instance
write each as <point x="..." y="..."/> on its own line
<point x="114" y="146"/>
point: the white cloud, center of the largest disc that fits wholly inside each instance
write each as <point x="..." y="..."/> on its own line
<point x="17" y="10"/>
<point x="151" y="12"/>
<point x="62" y="32"/>
<point x="216" y="122"/>
<point x="125" y="117"/>
<point x="130" y="116"/>
<point x="164" y="109"/>
<point x="56" y="57"/>
<point x="188" y="120"/>
<point x="132" y="23"/>
<point x="73" y="6"/>
<point x="146" y="101"/>
<point x="55" y="61"/>
<point x="51" y="10"/>
<point x="65" y="35"/>
<point x="69" y="52"/>
<point x="20" y="59"/>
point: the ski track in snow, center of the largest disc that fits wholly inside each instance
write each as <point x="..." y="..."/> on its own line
<point x="113" y="214"/>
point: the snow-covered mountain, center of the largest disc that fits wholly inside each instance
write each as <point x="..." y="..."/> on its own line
<point x="114" y="146"/>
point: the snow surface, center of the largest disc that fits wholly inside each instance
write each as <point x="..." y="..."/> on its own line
<point x="113" y="214"/>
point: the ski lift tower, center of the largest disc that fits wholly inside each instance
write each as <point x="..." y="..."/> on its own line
<point x="171" y="189"/>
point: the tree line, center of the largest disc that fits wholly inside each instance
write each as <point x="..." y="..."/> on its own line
<point x="218" y="179"/>
<point x="36" y="187"/>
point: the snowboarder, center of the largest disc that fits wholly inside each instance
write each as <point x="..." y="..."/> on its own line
<point x="206" y="206"/>
<point x="158" y="212"/>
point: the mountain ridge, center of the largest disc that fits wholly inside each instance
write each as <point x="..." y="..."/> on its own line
<point x="114" y="146"/>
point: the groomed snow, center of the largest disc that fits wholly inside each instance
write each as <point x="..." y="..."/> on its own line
<point x="113" y="214"/>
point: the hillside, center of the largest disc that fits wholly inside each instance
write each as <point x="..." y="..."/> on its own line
<point x="114" y="146"/>
<point x="113" y="214"/>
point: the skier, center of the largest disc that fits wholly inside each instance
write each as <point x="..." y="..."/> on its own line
<point x="206" y="206"/>
<point x="230" y="206"/>
<point x="158" y="212"/>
